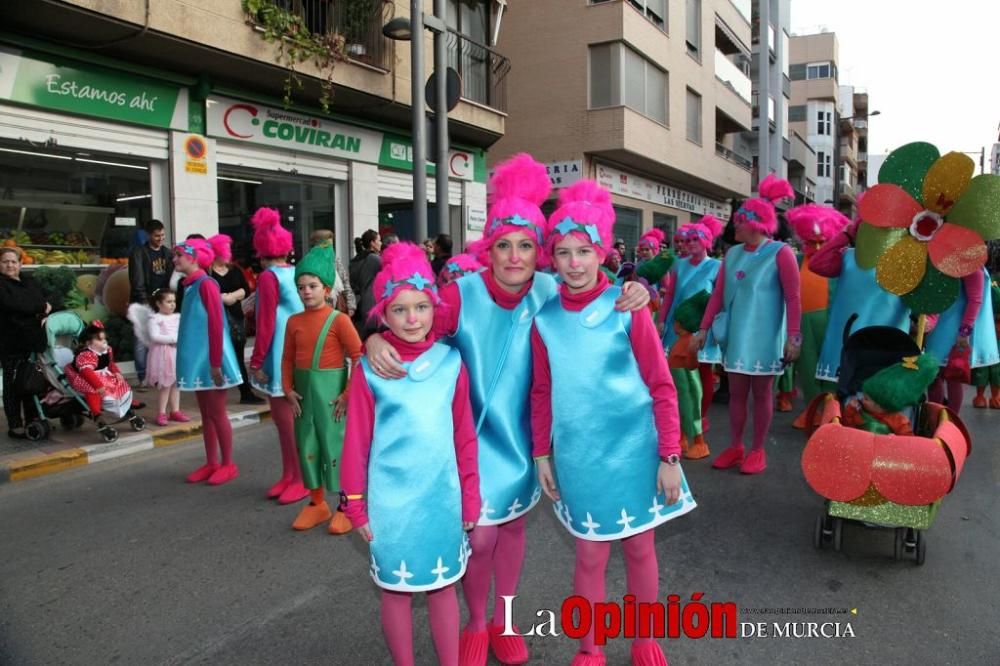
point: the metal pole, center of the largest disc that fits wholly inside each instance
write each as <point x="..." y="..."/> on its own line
<point x="441" y="121"/>
<point x="763" y="92"/>
<point x="418" y="117"/>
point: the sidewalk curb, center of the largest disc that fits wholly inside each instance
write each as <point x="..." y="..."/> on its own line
<point x="50" y="463"/>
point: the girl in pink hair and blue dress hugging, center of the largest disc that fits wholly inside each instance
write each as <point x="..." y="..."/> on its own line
<point x="410" y="475"/>
<point x="614" y="475"/>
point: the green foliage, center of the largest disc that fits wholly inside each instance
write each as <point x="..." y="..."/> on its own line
<point x="296" y="45"/>
<point x="56" y="283"/>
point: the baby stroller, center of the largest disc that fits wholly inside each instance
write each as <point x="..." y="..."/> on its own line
<point x="55" y="397"/>
<point x="881" y="481"/>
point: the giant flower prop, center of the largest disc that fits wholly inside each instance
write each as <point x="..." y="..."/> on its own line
<point x="925" y="225"/>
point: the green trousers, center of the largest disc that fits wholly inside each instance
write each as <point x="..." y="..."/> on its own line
<point x="688" y="400"/>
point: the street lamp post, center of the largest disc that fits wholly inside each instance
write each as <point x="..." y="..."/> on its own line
<point x="417" y="119"/>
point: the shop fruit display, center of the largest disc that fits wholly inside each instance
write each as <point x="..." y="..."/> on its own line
<point x="115" y="291"/>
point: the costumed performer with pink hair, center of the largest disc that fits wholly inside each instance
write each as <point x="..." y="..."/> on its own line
<point x="618" y="470"/>
<point x="754" y="314"/>
<point x="814" y="225"/>
<point x="456" y="267"/>
<point x="277" y="300"/>
<point x="207" y="369"/>
<point x="410" y="474"/>
<point x="691" y="275"/>
<point x="488" y="319"/>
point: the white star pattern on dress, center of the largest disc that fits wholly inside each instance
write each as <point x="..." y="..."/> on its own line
<point x="758" y="366"/>
<point x="486" y="511"/>
<point x="655" y="509"/>
<point x="512" y="509"/>
<point x="197" y="382"/>
<point x="403" y="574"/>
<point x="739" y="364"/>
<point x="776" y="366"/>
<point x="440" y="570"/>
<point x="181" y="383"/>
<point x="463" y="554"/>
<point x="536" y="495"/>
<point x="626" y="520"/>
<point x="590" y="524"/>
<point x="375" y="567"/>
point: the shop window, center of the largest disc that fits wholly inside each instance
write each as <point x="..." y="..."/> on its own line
<point x="72" y="208"/>
<point x="665" y="223"/>
<point x="628" y="223"/>
<point x="305" y="205"/>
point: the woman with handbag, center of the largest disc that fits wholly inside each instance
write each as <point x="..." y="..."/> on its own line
<point x="23" y="309"/>
<point x="963" y="338"/>
<point x="234" y="288"/>
<point x="754" y="314"/>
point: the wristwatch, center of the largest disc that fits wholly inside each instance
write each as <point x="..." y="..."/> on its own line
<point x="672" y="460"/>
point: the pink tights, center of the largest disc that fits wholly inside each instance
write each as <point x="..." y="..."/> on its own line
<point x="740" y="387"/>
<point x="641" y="575"/>
<point x="397" y="625"/>
<point x="496" y="550"/>
<point x="284" y="421"/>
<point x="955" y="393"/>
<point x="217" y="430"/>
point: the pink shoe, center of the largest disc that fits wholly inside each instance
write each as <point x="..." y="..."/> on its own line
<point x="648" y="653"/>
<point x="755" y="462"/>
<point x="473" y="648"/>
<point x="202" y="473"/>
<point x="224" y="474"/>
<point x="293" y="492"/>
<point x="161" y="419"/>
<point x="587" y="659"/>
<point x="731" y="457"/>
<point x="508" y="650"/>
<point x="278" y="488"/>
<point x="179" y="417"/>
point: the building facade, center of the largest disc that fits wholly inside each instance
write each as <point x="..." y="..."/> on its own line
<point x="115" y="113"/>
<point x="649" y="97"/>
<point x="771" y="142"/>
<point x="814" y="111"/>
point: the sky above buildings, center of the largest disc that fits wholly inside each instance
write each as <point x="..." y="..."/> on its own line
<point x="930" y="67"/>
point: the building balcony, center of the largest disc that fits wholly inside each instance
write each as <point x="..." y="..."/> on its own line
<point x="732" y="77"/>
<point x="722" y="151"/>
<point x="483" y="70"/>
<point x="846" y="192"/>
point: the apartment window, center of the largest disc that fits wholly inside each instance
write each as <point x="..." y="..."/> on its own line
<point x="654" y="10"/>
<point x="693" y="32"/>
<point x="470" y="18"/>
<point x="824" y="164"/>
<point x="797" y="114"/>
<point x="621" y="77"/>
<point x="821" y="70"/>
<point x="824" y="120"/>
<point x="693" y="116"/>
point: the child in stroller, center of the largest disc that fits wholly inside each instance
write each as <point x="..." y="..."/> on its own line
<point x="882" y="455"/>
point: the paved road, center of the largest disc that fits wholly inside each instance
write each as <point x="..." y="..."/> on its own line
<point x="122" y="562"/>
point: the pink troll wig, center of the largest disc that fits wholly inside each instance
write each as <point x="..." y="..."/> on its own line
<point x="200" y="249"/>
<point x="457" y="266"/>
<point x="584" y="210"/>
<point x="270" y="239"/>
<point x="679" y="250"/>
<point x="404" y="266"/>
<point x="815" y="224"/>
<point x="652" y="240"/>
<point x="705" y="230"/>
<point x="222" y="246"/>
<point x="759" y="212"/>
<point x="519" y="187"/>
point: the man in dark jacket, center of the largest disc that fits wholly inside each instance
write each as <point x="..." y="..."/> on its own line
<point x="149" y="269"/>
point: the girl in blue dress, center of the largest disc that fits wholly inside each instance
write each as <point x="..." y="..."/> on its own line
<point x="410" y="474"/>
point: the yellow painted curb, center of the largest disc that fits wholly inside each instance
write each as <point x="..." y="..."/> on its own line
<point x="47" y="464"/>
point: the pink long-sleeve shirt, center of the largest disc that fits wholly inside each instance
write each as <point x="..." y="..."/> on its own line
<point x="788" y="275"/>
<point x="360" y="429"/>
<point x="211" y="297"/>
<point x="267" y="315"/>
<point x="653" y="368"/>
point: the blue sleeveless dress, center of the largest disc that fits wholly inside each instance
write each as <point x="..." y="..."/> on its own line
<point x="289" y="303"/>
<point x="753" y="299"/>
<point x="508" y="484"/>
<point x="692" y="279"/>
<point x="193" y="370"/>
<point x="856" y="292"/>
<point x="414" y="495"/>
<point x="604" y="443"/>
<point x="983" y="339"/>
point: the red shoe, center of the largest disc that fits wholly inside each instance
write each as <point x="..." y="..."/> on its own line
<point x="731" y="457"/>
<point x="202" y="473"/>
<point x="179" y="417"/>
<point x="507" y="649"/>
<point x="698" y="450"/>
<point x="648" y="653"/>
<point x="784" y="404"/>
<point x="754" y="463"/>
<point x="293" y="492"/>
<point x="979" y="402"/>
<point x="473" y="648"/>
<point x="587" y="659"/>
<point x="994" y="403"/>
<point x="278" y="488"/>
<point x="224" y="474"/>
<point x="161" y="419"/>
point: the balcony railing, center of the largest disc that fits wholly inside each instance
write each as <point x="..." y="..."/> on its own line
<point x="727" y="72"/>
<point x="732" y="156"/>
<point x="359" y="22"/>
<point x="483" y="70"/>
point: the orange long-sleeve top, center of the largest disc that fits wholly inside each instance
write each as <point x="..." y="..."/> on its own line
<point x="301" y="333"/>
